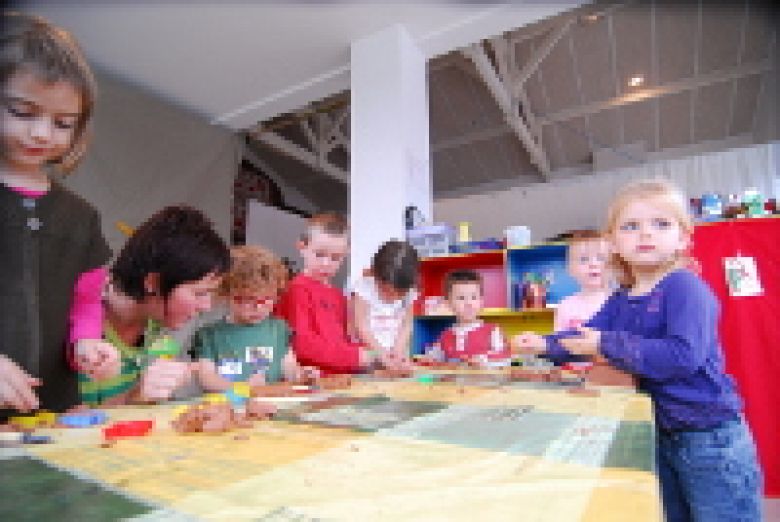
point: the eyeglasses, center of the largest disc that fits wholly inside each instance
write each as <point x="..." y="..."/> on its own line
<point x="245" y="300"/>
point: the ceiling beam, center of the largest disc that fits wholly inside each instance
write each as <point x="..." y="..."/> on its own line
<point x="471" y="137"/>
<point x="539" y="54"/>
<point x="498" y="89"/>
<point x="297" y="152"/>
<point x="655" y="92"/>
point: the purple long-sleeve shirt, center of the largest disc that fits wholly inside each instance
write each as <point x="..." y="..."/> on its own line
<point x="669" y="339"/>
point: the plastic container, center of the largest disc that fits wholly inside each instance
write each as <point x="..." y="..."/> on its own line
<point x="517" y="236"/>
<point x="432" y="240"/>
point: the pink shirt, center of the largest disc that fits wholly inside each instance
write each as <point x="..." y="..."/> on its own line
<point x="577" y="309"/>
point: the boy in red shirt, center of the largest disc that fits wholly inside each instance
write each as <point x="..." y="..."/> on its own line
<point x="316" y="311"/>
<point x="471" y="339"/>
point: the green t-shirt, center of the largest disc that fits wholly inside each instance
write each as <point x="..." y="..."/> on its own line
<point x="240" y="350"/>
<point x="133" y="360"/>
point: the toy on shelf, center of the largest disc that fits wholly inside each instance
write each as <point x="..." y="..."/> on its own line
<point x="532" y="292"/>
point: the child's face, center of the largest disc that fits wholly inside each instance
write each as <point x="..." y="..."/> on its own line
<point x="647" y="234"/>
<point x="323" y="254"/>
<point x="186" y="301"/>
<point x="587" y="263"/>
<point x="388" y="293"/>
<point x="38" y="121"/>
<point x="247" y="307"/>
<point x="466" y="301"/>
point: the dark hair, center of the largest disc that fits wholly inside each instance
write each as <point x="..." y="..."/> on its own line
<point x="30" y="43"/>
<point x="461" y="276"/>
<point x="179" y="243"/>
<point x="395" y="263"/>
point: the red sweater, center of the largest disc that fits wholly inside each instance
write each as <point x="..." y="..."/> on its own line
<point x="478" y="342"/>
<point x="317" y="315"/>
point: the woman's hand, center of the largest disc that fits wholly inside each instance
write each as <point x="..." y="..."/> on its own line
<point x="98" y="359"/>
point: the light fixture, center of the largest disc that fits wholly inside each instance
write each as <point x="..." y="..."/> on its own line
<point x="636" y="80"/>
<point x="590" y="18"/>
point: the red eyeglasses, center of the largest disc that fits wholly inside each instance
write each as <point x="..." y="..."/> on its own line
<point x="245" y="300"/>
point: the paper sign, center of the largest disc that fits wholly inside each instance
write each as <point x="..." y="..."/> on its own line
<point x="742" y="276"/>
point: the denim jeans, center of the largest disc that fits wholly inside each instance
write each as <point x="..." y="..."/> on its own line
<point x="710" y="475"/>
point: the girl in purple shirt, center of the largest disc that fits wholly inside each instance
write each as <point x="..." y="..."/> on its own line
<point x="662" y="326"/>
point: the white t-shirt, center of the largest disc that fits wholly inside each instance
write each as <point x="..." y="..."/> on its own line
<point x="384" y="319"/>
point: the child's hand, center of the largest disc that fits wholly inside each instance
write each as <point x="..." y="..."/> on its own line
<point x="587" y="343"/>
<point x="16" y="387"/>
<point x="394" y="361"/>
<point x="258" y="379"/>
<point x="98" y="359"/>
<point x="528" y="343"/>
<point x="161" y="378"/>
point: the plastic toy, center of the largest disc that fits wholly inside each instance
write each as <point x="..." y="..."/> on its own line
<point x="29" y="438"/>
<point x="128" y="429"/>
<point x="165" y="347"/>
<point x="83" y="420"/>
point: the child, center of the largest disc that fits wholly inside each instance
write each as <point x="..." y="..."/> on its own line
<point x="248" y="345"/>
<point x="470" y="339"/>
<point x="587" y="259"/>
<point x="662" y="326"/>
<point x="382" y="301"/>
<point x="49" y="237"/>
<point x="317" y="312"/>
<point x="163" y="277"/>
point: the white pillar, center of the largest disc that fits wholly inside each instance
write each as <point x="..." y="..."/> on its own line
<point x="390" y="161"/>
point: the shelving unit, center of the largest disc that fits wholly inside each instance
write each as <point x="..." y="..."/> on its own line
<point x="502" y="271"/>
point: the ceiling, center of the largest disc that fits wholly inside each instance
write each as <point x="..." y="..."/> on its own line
<point x="241" y="62"/>
<point x="563" y="70"/>
<point x="704" y="67"/>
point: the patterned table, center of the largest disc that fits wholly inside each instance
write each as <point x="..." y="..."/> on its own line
<point x="470" y="448"/>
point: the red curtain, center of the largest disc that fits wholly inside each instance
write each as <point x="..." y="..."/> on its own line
<point x="750" y="326"/>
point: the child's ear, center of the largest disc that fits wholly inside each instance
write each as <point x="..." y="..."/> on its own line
<point x="300" y="245"/>
<point x="152" y="283"/>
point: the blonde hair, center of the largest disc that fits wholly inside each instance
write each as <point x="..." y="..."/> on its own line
<point x="331" y="223"/>
<point x="254" y="269"/>
<point x="672" y="198"/>
<point x="31" y="44"/>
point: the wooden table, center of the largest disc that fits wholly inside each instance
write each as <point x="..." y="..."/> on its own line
<point x="472" y="448"/>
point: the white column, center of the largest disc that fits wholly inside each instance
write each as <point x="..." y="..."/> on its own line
<point x="390" y="167"/>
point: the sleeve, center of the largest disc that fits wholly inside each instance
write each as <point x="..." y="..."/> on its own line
<point x="86" y="313"/>
<point x="314" y="345"/>
<point x="690" y="315"/>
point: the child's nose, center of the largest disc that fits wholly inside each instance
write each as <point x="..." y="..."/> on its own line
<point x="41" y="129"/>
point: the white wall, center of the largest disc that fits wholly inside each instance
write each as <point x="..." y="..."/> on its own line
<point x="146" y="154"/>
<point x="581" y="202"/>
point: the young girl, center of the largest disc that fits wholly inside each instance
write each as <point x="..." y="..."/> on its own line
<point x="662" y="326"/>
<point x="49" y="237"/>
<point x="247" y="345"/>
<point x="382" y="303"/>
<point x="164" y="276"/>
<point x="470" y="339"/>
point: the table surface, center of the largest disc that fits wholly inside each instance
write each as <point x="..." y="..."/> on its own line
<point x="466" y="447"/>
